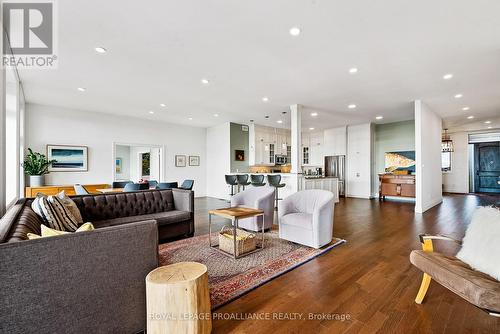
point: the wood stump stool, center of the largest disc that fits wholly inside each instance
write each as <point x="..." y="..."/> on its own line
<point x="177" y="299"/>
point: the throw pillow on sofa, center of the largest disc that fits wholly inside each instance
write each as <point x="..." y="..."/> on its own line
<point x="481" y="245"/>
<point x="70" y="205"/>
<point x="54" y="213"/>
<point x="49" y="232"/>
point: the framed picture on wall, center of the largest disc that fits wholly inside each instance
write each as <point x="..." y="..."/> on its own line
<point x="118" y="165"/>
<point x="194" y="160"/>
<point x="239" y="155"/>
<point x="180" y="161"/>
<point x="68" y="158"/>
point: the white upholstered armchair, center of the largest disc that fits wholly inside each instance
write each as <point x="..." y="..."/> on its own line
<point x="257" y="198"/>
<point x="306" y="217"/>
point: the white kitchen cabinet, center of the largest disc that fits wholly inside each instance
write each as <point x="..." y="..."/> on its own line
<point x="330" y="184"/>
<point x="316" y="149"/>
<point x="335" y="141"/>
<point x="266" y="142"/>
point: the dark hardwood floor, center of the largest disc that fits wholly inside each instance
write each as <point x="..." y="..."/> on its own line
<point x="369" y="278"/>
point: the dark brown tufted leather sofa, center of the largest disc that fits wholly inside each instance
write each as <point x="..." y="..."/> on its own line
<point x="172" y="209"/>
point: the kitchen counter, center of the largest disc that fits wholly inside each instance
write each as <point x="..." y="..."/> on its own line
<point x="322" y="182"/>
<point x="307" y="177"/>
<point x="295" y="182"/>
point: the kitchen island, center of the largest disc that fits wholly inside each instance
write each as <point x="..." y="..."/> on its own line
<point x="322" y="182"/>
<point x="295" y="182"/>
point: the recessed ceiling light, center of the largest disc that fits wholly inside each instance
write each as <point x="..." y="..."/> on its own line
<point x="81" y="89"/>
<point x="351" y="106"/>
<point x="100" y="49"/>
<point x="465" y="108"/>
<point x="470" y="117"/>
<point x="216" y="115"/>
<point x="379" y="117"/>
<point x="190" y="118"/>
<point x="353" y="70"/>
<point x="295" y="31"/>
<point x="279" y="121"/>
<point x="457" y="96"/>
<point x="265" y="99"/>
<point x="151" y="112"/>
<point x="163" y="105"/>
<point x="447" y="76"/>
<point x="490" y="127"/>
<point x="205" y="81"/>
<point x="487" y="122"/>
<point x="314" y="114"/>
<point x="311" y="129"/>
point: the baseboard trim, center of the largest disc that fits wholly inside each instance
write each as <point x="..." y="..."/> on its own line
<point x="360" y="197"/>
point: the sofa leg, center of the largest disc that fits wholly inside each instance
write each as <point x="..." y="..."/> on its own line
<point x="426" y="280"/>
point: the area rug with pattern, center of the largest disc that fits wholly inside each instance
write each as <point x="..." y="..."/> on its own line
<point x="228" y="278"/>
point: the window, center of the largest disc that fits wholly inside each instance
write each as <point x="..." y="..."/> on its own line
<point x="446" y="161"/>
<point x="12" y="151"/>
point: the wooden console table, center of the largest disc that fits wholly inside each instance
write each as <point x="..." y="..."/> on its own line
<point x="55" y="189"/>
<point x="396" y="185"/>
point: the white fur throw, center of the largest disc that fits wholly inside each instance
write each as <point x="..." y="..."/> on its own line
<point x="481" y="244"/>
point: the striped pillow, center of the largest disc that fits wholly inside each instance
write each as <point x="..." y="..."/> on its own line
<point x="54" y="214"/>
<point x="70" y="205"/>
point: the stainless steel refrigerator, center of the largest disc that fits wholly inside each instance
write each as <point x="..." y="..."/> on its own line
<point x="335" y="167"/>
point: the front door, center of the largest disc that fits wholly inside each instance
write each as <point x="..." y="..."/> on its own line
<point x="487" y="167"/>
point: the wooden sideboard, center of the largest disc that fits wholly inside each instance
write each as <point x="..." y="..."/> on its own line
<point x="55" y="189"/>
<point x="396" y="185"/>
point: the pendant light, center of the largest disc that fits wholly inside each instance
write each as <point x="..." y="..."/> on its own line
<point x="446" y="142"/>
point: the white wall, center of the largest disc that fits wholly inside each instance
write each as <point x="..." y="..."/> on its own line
<point x="218" y="150"/>
<point x="428" y="127"/>
<point x="457" y="180"/>
<point x="98" y="131"/>
<point x="359" y="161"/>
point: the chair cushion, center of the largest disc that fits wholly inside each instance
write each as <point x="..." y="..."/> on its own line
<point x="302" y="220"/>
<point x="474" y="286"/>
<point x="162" y="218"/>
<point x="481" y="246"/>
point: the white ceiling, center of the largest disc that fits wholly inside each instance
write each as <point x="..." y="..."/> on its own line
<point x="159" y="50"/>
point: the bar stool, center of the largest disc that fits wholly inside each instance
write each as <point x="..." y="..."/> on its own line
<point x="257" y="180"/>
<point x="232" y="181"/>
<point x="242" y="180"/>
<point x="274" y="181"/>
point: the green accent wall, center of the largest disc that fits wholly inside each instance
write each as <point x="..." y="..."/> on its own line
<point x="391" y="137"/>
<point x="239" y="141"/>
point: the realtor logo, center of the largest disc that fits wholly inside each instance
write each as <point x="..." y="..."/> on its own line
<point x="30" y="31"/>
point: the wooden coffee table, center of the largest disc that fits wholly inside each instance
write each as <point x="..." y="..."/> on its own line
<point x="235" y="214"/>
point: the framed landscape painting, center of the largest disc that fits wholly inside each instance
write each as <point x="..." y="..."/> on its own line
<point x="68" y="158"/>
<point x="400" y="161"/>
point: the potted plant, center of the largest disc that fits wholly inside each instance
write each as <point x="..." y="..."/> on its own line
<point x="36" y="166"/>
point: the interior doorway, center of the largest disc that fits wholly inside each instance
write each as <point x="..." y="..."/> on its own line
<point x="135" y="162"/>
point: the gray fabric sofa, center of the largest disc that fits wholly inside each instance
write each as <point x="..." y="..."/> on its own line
<point x="87" y="282"/>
